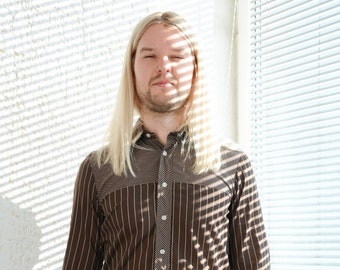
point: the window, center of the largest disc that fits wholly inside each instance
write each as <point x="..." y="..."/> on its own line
<point x="295" y="131"/>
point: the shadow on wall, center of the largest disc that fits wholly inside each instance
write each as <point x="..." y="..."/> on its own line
<point x="19" y="237"/>
<point x="59" y="70"/>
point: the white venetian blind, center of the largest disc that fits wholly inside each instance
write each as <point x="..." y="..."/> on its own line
<point x="295" y="78"/>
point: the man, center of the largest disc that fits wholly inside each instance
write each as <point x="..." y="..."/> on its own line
<point x="165" y="193"/>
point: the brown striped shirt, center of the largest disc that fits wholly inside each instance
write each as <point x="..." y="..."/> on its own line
<point x="166" y="217"/>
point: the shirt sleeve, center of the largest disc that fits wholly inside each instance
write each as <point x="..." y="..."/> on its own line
<point x="248" y="243"/>
<point x="83" y="249"/>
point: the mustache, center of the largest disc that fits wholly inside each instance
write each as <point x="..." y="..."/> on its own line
<point x="159" y="77"/>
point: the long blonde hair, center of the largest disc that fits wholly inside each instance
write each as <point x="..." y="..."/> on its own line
<point x="123" y="133"/>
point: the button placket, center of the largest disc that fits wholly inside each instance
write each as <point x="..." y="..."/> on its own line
<point x="163" y="216"/>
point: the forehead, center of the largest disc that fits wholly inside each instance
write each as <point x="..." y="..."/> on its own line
<point x="161" y="36"/>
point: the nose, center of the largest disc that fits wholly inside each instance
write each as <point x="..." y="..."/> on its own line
<point x="164" y="66"/>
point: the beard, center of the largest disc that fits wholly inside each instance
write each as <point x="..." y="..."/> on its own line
<point x="158" y="100"/>
<point x="151" y="104"/>
<point x="164" y="100"/>
<point x="172" y="104"/>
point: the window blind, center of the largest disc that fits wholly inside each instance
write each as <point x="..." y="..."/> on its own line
<point x="295" y="96"/>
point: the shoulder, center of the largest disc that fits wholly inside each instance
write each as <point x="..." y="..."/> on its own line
<point x="231" y="150"/>
<point x="84" y="183"/>
<point x="96" y="159"/>
<point x="101" y="170"/>
<point x="233" y="156"/>
<point x="90" y="168"/>
<point x="85" y="167"/>
<point x="88" y="163"/>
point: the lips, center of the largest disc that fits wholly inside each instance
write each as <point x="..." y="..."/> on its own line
<point x="163" y="83"/>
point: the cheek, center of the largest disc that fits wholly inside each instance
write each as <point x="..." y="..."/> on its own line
<point x="136" y="71"/>
<point x="142" y="73"/>
<point x="139" y="76"/>
<point x="185" y="73"/>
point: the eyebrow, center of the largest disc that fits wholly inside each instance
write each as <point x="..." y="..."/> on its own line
<point x="146" y="49"/>
<point x="149" y="49"/>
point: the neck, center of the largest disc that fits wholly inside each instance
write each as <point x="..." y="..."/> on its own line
<point x="162" y="123"/>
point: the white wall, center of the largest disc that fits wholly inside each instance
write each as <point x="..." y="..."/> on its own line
<point x="59" y="70"/>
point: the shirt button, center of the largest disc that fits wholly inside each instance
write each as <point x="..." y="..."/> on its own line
<point x="148" y="135"/>
<point x="164" y="184"/>
<point x="164" y="217"/>
<point x="165" y="153"/>
<point x="162" y="251"/>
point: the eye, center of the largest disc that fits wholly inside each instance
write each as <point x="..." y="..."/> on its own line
<point x="149" y="56"/>
<point x="178" y="57"/>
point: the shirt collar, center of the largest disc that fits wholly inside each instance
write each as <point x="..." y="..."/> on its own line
<point x="141" y="131"/>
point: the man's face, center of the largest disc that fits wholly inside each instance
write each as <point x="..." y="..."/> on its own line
<point x="163" y="69"/>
